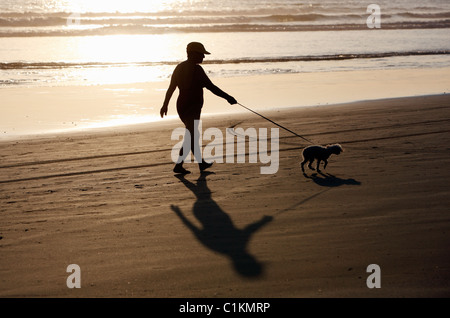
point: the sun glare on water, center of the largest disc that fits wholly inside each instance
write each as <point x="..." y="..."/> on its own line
<point x="120" y="48"/>
<point x="122" y="6"/>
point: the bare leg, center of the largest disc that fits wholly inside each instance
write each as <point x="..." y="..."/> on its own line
<point x="188" y="144"/>
<point x="192" y="125"/>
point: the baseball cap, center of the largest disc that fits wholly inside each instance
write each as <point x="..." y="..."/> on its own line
<point x="196" y="47"/>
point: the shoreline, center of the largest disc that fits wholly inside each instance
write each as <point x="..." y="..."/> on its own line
<point x="30" y="110"/>
<point x="208" y="118"/>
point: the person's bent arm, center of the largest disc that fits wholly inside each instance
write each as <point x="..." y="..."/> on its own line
<point x="169" y="94"/>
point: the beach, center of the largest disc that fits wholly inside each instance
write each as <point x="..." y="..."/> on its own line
<point x="108" y="201"/>
<point x="90" y="206"/>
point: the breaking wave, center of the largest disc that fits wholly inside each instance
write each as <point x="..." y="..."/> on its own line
<point x="66" y="24"/>
<point x="61" y="65"/>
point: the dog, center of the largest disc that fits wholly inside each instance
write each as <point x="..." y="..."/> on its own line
<point x="319" y="153"/>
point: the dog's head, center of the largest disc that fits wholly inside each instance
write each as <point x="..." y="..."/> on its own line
<point x="335" y="149"/>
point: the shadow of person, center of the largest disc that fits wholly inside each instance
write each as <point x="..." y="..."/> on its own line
<point x="217" y="231"/>
<point x="328" y="180"/>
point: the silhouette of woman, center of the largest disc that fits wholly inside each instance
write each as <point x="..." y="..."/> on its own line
<point x="190" y="78"/>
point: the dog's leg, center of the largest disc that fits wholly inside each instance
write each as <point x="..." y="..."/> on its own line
<point x="310" y="164"/>
<point x="325" y="162"/>
<point x="318" y="165"/>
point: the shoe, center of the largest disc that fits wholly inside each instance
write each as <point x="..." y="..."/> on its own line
<point x="180" y="170"/>
<point x="204" y="165"/>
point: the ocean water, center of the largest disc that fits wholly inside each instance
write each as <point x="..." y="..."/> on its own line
<point x="89" y="42"/>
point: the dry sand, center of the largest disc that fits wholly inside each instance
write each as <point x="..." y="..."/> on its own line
<point x="109" y="202"/>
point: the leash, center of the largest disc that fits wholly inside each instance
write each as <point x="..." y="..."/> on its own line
<point x="276" y="123"/>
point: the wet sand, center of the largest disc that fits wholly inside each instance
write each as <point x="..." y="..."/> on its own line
<point x="36" y="110"/>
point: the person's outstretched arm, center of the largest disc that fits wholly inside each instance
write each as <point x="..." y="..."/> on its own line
<point x="216" y="90"/>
